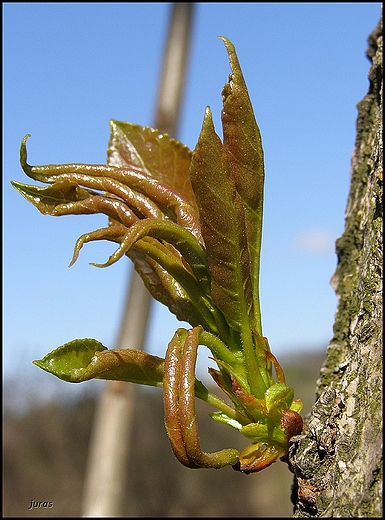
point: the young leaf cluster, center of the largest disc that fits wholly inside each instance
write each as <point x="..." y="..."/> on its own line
<point x="191" y="222"/>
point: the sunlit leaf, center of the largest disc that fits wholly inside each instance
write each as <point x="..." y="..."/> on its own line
<point x="278" y="397"/>
<point x="179" y="404"/>
<point x="225" y="419"/>
<point x="51" y="199"/>
<point x="223" y="227"/>
<point x="154" y="153"/>
<point x="84" y="359"/>
<point x="264" y="433"/>
<point x="222" y="224"/>
<point x="259" y="456"/>
<point x="243" y="145"/>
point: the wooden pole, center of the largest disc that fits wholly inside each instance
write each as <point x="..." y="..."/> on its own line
<point x="109" y="448"/>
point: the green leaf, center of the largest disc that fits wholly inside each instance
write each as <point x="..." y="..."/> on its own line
<point x="67" y="360"/>
<point x="225" y="419"/>
<point x="147" y="151"/>
<point x="188" y="278"/>
<point x="243" y="144"/>
<point x="296" y="406"/>
<point x="164" y="288"/>
<point x="175" y="235"/>
<point x="84" y="359"/>
<point x="53" y="199"/>
<point x="228" y="182"/>
<point x="192" y="225"/>
<point x="278" y="397"/>
<point x="265" y="433"/>
<point x="222" y="227"/>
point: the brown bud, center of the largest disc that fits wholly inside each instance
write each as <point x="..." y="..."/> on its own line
<point x="292" y="423"/>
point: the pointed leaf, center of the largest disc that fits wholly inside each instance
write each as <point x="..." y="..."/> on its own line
<point x="241" y="135"/>
<point x="49" y="200"/>
<point x="67" y="360"/>
<point x="243" y="144"/>
<point x="84" y="359"/>
<point x="222" y="227"/>
<point x="225" y="419"/>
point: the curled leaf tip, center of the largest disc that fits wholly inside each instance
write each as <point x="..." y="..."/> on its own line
<point x="234" y="63"/>
<point x="106" y="264"/>
<point x="23" y="156"/>
<point x="225" y="40"/>
<point x="73" y="260"/>
<point x="77" y="248"/>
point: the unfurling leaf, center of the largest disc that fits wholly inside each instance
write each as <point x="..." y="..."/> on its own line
<point x="243" y="144"/>
<point x="132" y="198"/>
<point x="84" y="359"/>
<point x="55" y="199"/>
<point x="179" y="394"/>
<point x="152" y="153"/>
<point x="222" y="224"/>
<point x="191" y="222"/>
<point x="228" y="180"/>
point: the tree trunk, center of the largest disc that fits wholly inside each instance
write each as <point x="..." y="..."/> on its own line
<point x="337" y="462"/>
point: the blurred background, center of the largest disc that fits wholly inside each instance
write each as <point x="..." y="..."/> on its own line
<point x="68" y="69"/>
<point x="45" y="453"/>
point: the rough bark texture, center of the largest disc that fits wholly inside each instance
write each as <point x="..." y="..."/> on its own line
<point x="337" y="462"/>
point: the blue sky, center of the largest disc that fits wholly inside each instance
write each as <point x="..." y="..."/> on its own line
<point x="71" y="67"/>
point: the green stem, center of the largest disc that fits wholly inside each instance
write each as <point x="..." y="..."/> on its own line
<point x="255" y="378"/>
<point x="202" y="393"/>
<point x="219" y="349"/>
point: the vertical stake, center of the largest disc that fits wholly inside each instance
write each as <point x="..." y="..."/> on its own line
<point x="109" y="447"/>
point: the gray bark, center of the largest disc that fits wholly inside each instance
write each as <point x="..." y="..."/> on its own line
<point x="337" y="462"/>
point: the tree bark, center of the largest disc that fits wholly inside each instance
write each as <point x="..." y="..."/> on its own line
<point x="337" y="462"/>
